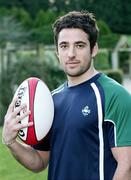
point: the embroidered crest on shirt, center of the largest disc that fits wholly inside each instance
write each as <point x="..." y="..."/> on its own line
<point x="86" y="111"/>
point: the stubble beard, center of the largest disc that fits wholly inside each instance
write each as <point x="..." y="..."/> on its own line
<point x="80" y="72"/>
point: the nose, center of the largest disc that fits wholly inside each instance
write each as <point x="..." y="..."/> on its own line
<point x="71" y="53"/>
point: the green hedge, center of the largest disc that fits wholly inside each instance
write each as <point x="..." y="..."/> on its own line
<point x="101" y="61"/>
<point x="24" y="68"/>
<point x="115" y="74"/>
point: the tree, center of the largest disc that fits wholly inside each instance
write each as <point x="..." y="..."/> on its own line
<point x="42" y="29"/>
<point x="116" y="13"/>
<point x="22" y="16"/>
<point x="121" y="21"/>
<point x="26" y="67"/>
<point x="9" y="4"/>
<point x="11" y="32"/>
<point x="106" y="39"/>
<point x="31" y="6"/>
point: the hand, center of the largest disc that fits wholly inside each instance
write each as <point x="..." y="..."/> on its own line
<point x="11" y="123"/>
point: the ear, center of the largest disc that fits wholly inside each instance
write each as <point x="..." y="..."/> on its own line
<point x="95" y="50"/>
<point x="57" y="54"/>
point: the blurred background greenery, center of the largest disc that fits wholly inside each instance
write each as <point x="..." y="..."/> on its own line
<point x="26" y="41"/>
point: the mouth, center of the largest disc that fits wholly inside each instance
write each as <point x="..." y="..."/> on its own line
<point x="72" y="62"/>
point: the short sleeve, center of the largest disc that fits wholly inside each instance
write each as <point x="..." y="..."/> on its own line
<point x="118" y="113"/>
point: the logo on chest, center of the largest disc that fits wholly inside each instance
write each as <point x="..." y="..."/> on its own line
<point x="86" y="111"/>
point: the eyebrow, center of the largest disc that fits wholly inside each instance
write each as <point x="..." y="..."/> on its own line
<point x="63" y="42"/>
<point x="81" y="42"/>
<point x="77" y="42"/>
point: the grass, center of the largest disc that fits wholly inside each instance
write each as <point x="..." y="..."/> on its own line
<point x="10" y="169"/>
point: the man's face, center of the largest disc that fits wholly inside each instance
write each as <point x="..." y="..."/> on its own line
<point x="74" y="51"/>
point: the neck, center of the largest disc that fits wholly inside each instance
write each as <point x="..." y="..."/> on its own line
<point x="72" y="81"/>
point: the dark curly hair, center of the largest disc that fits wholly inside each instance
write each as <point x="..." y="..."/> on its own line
<point x="75" y="19"/>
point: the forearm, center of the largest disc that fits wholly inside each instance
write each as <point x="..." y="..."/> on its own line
<point x="27" y="156"/>
<point x="122" y="174"/>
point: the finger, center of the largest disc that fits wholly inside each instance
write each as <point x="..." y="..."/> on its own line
<point x="18" y="109"/>
<point x="10" y="110"/>
<point x="22" y="126"/>
<point x="21" y="117"/>
<point x="11" y="106"/>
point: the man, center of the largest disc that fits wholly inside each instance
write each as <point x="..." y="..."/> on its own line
<point x="90" y="138"/>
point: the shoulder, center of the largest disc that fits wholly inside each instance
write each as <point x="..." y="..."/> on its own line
<point x="115" y="95"/>
<point x="113" y="88"/>
<point x="58" y="90"/>
<point x="117" y="98"/>
<point x="108" y="82"/>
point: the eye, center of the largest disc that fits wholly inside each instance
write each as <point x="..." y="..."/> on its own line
<point x="80" y="45"/>
<point x="63" y="46"/>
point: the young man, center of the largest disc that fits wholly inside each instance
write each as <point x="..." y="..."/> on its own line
<point x="90" y="138"/>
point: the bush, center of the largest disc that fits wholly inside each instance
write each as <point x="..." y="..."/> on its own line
<point x="23" y="69"/>
<point x="5" y="93"/>
<point x="28" y="66"/>
<point x="106" y="39"/>
<point x="115" y="74"/>
<point x="101" y="61"/>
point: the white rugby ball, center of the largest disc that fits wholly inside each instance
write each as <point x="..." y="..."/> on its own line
<point x="36" y="95"/>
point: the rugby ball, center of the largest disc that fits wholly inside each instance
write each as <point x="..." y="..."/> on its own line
<point x="36" y="95"/>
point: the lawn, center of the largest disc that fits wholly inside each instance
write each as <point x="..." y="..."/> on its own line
<point x="10" y="169"/>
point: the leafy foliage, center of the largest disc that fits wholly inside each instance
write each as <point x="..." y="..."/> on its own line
<point x="106" y="39"/>
<point x="116" y="13"/>
<point x="31" y="66"/>
<point x="115" y="74"/>
<point x="27" y="66"/>
<point x="22" y="16"/>
<point x="101" y="61"/>
<point x="30" y="22"/>
<point x="11" y="30"/>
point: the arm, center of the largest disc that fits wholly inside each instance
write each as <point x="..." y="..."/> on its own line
<point x="26" y="155"/>
<point x="30" y="158"/>
<point x="123" y="158"/>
